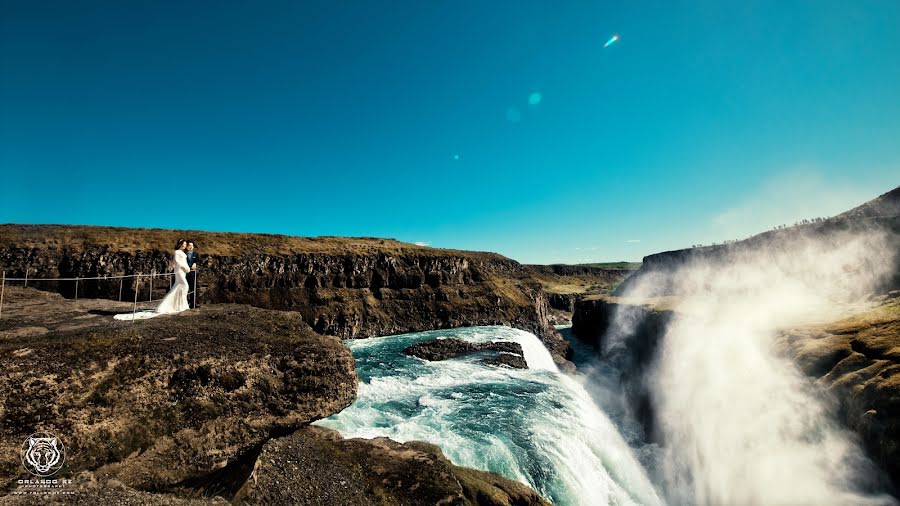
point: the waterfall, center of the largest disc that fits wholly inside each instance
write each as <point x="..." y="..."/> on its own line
<point x="739" y="422"/>
<point x="537" y="426"/>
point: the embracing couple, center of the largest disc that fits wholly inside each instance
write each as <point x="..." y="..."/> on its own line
<point x="181" y="296"/>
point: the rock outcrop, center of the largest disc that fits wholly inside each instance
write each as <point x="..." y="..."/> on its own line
<point x="858" y="360"/>
<point x="316" y="466"/>
<point x="625" y="333"/>
<point x="564" y="301"/>
<point x="169" y="400"/>
<point x="505" y="353"/>
<point x="346" y="287"/>
<point x="567" y="284"/>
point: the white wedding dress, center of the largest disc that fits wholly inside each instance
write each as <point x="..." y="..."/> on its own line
<point x="175" y="301"/>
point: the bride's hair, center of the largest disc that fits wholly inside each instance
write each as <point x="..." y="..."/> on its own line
<point x="179" y="243"/>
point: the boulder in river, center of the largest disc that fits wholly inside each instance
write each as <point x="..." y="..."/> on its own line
<point x="506" y="353"/>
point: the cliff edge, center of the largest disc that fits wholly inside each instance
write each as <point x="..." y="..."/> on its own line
<point x="345" y="287"/>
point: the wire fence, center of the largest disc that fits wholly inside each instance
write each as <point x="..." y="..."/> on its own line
<point x="80" y="280"/>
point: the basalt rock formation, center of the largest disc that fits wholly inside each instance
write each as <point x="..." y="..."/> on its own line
<point x="626" y="334"/>
<point x="505" y="353"/>
<point x="346" y="287"/>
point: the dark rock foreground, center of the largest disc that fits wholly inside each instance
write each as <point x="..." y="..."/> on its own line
<point x="320" y="467"/>
<point x="161" y="401"/>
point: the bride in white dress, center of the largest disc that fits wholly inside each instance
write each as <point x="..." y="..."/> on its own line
<point x="176" y="300"/>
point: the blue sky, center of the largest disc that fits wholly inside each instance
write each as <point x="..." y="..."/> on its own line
<point x="706" y="121"/>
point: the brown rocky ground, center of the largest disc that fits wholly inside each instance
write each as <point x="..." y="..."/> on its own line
<point x="858" y="359"/>
<point x="315" y="466"/>
<point x="160" y="401"/>
<point x="378" y="471"/>
<point x="202" y="407"/>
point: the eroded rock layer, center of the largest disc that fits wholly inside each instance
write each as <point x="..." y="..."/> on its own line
<point x="347" y="287"/>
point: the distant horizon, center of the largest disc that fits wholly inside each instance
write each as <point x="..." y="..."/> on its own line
<point x="516" y="128"/>
<point x="200" y="249"/>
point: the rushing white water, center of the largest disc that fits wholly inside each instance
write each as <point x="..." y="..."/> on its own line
<point x="537" y="426"/>
<point x="741" y="424"/>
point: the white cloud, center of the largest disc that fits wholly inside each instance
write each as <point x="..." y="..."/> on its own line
<point x="786" y="199"/>
<point x="422" y="243"/>
<point x="633" y="241"/>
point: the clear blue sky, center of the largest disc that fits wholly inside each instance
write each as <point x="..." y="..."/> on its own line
<point x="707" y="120"/>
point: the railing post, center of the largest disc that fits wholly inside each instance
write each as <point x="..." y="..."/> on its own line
<point x="76" y="288"/>
<point x="26" y="277"/>
<point x="121" y="280"/>
<point x="196" y="287"/>
<point x="152" y="274"/>
<point x="2" y="287"/>
<point x="134" y="311"/>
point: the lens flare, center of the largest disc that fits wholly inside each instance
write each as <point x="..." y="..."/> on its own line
<point x="611" y="40"/>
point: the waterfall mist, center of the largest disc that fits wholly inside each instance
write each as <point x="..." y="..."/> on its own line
<point x="738" y="422"/>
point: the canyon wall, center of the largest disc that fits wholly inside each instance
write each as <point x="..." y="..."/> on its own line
<point x="346" y="287"/>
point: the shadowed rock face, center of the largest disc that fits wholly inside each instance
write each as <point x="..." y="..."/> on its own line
<point x="156" y="403"/>
<point x="627" y="336"/>
<point x="350" y="288"/>
<point x="315" y="466"/>
<point x="564" y="301"/>
<point x="318" y="467"/>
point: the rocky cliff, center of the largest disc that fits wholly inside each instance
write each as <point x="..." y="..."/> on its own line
<point x="858" y="360"/>
<point x="625" y="334"/>
<point x="567" y="283"/>
<point x="168" y="401"/>
<point x="346" y="287"/>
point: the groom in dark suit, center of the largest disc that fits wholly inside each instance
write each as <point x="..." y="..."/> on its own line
<point x="193" y="261"/>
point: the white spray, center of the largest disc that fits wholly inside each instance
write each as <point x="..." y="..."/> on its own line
<point x="740" y="423"/>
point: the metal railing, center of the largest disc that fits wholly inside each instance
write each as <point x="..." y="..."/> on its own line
<point x="77" y="280"/>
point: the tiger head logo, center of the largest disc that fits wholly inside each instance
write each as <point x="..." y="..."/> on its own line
<point x="43" y="454"/>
